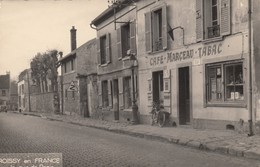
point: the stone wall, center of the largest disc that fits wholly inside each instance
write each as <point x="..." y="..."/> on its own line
<point x="42" y="102"/>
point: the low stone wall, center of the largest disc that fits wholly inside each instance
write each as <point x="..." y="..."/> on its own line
<point x="42" y="102"/>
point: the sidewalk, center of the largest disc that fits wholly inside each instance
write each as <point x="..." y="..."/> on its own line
<point x="224" y="142"/>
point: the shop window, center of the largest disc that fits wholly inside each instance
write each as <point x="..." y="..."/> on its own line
<point x="127" y="92"/>
<point x="155" y="29"/>
<point x="105" y="101"/>
<point x="225" y="82"/>
<point x="213" y="18"/>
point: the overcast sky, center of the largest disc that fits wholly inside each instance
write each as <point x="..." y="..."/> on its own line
<point x="28" y="27"/>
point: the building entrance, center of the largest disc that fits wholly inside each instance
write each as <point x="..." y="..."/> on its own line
<point x="184" y="96"/>
<point x="158" y="95"/>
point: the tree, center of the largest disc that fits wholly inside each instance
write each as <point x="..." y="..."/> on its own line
<point x="44" y="66"/>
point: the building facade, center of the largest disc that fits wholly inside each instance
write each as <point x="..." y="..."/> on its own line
<point x="195" y="59"/>
<point x="78" y="78"/>
<point x="5" y="90"/>
<point x="117" y="73"/>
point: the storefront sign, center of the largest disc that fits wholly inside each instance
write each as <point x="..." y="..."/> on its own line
<point x="199" y="52"/>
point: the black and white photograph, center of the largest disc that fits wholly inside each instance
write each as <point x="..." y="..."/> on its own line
<point x="129" y="83"/>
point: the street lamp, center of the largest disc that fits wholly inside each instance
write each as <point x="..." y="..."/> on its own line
<point x="134" y="106"/>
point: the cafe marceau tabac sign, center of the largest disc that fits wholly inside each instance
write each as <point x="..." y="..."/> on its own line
<point x="199" y="51"/>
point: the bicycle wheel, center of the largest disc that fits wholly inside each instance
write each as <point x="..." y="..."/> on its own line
<point x="161" y="119"/>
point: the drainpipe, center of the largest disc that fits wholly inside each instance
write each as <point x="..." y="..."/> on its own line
<point x="250" y="106"/>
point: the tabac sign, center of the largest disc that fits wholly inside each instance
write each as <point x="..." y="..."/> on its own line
<point x="199" y="51"/>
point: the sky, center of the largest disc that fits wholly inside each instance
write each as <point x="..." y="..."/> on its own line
<point x="31" y="26"/>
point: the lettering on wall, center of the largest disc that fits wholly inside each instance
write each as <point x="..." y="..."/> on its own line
<point x="200" y="52"/>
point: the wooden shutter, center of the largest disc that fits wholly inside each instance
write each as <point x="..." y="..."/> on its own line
<point x="121" y="92"/>
<point x="119" y="44"/>
<point x="225" y="22"/>
<point x="167" y="88"/>
<point x="164" y="27"/>
<point x="108" y="48"/>
<point x="99" y="93"/>
<point x="199" y="20"/>
<point x="98" y="51"/>
<point x="150" y="92"/>
<point x="132" y="36"/>
<point x="109" y="84"/>
<point x="148" y="35"/>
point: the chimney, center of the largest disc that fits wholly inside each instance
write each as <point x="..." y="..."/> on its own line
<point x="73" y="38"/>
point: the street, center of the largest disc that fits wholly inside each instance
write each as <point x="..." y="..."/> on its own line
<point x="82" y="146"/>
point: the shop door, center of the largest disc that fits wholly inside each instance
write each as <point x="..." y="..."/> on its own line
<point x="158" y="95"/>
<point x="184" y="96"/>
<point x="115" y="99"/>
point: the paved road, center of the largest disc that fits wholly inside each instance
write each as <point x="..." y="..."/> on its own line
<point x="82" y="146"/>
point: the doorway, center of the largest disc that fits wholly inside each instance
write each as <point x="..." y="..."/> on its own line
<point x="184" y="95"/>
<point x="115" y="99"/>
<point x="158" y="95"/>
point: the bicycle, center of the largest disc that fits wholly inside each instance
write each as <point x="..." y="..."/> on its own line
<point x="159" y="116"/>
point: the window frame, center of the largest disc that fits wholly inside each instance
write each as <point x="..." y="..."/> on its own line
<point x="153" y="42"/>
<point x="103" y="54"/>
<point x="223" y="102"/>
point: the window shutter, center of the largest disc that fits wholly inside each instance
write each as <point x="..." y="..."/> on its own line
<point x="225" y="22"/>
<point x="121" y="95"/>
<point x="108" y="48"/>
<point x="167" y="88"/>
<point x="99" y="93"/>
<point x="164" y="27"/>
<point x="119" y="44"/>
<point x="98" y="51"/>
<point x="199" y="20"/>
<point x="148" y="37"/>
<point x="109" y="93"/>
<point x="132" y="36"/>
<point x="150" y="92"/>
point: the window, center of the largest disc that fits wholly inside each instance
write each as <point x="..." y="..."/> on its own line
<point x="126" y="39"/>
<point x="65" y="67"/>
<point x="3" y="92"/>
<point x="225" y="82"/>
<point x="72" y="64"/>
<point x="155" y="29"/>
<point x="213" y="18"/>
<point x="127" y="92"/>
<point x="104" y="49"/>
<point x="104" y="94"/>
<point x="66" y="93"/>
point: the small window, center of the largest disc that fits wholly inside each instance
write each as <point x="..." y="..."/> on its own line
<point x="72" y="64"/>
<point x="127" y="92"/>
<point x="65" y="67"/>
<point x="103" y="49"/>
<point x="3" y="92"/>
<point x="66" y="93"/>
<point x="225" y="82"/>
<point x="104" y="94"/>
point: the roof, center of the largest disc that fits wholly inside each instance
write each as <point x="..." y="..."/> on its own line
<point x="73" y="53"/>
<point x="109" y="12"/>
<point x="5" y="81"/>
